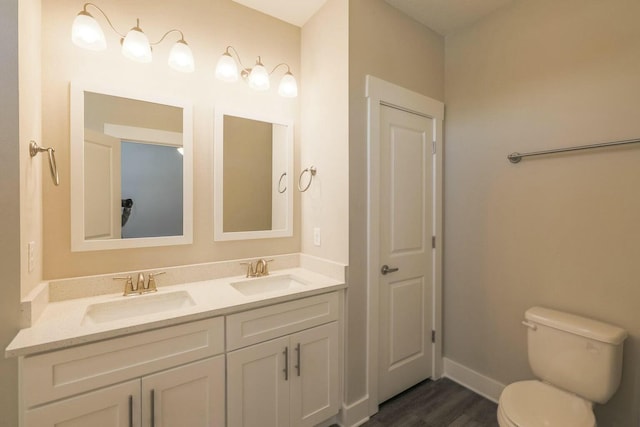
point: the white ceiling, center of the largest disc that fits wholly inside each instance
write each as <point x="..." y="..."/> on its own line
<point x="447" y="16"/>
<point x="442" y="16"/>
<point x="296" y="12"/>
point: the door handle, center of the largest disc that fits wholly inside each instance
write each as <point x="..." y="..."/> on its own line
<point x="386" y="269"/>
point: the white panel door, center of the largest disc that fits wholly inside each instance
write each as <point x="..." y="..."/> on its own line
<point x="102" y="186"/>
<point x="117" y="406"/>
<point x="406" y="228"/>
<point x="189" y="396"/>
<point x="258" y="385"/>
<point x="315" y="385"/>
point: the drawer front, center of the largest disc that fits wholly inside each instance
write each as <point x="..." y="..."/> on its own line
<point x="254" y="326"/>
<point x="63" y="373"/>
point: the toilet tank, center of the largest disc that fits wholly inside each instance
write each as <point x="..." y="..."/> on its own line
<point x="577" y="354"/>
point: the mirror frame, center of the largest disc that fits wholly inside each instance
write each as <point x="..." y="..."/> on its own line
<point x="78" y="241"/>
<point x="218" y="172"/>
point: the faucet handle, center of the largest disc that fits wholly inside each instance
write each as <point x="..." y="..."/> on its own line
<point x="151" y="285"/>
<point x="250" y="271"/>
<point x="128" y="286"/>
<point x="266" y="266"/>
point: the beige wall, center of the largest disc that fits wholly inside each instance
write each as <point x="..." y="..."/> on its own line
<point x="100" y="109"/>
<point x="560" y="231"/>
<point x="387" y="44"/>
<point x="31" y="169"/>
<point x="209" y="26"/>
<point x="9" y="208"/>
<point x="248" y="153"/>
<point x="325" y="125"/>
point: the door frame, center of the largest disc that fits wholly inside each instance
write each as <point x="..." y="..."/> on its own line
<point x="380" y="92"/>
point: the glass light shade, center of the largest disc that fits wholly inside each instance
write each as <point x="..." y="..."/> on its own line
<point x="87" y="33"/>
<point x="136" y="47"/>
<point x="227" y="69"/>
<point x="181" y="58"/>
<point x="288" y="87"/>
<point x="259" y="78"/>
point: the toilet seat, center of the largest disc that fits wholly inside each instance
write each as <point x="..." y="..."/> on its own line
<point x="536" y="404"/>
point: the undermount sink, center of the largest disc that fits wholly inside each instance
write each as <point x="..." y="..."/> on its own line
<point x="138" y="305"/>
<point x="268" y="284"/>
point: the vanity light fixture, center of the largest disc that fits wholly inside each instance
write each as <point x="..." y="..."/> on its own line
<point x="87" y="34"/>
<point x="257" y="77"/>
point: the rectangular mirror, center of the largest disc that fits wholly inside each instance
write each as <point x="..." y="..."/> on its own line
<point x="131" y="179"/>
<point x="253" y="168"/>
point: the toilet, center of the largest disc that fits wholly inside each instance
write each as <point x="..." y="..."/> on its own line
<point x="578" y="362"/>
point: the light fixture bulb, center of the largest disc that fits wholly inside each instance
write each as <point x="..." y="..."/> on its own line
<point x="181" y="58"/>
<point x="135" y="46"/>
<point x="87" y="33"/>
<point x="259" y="77"/>
<point x="227" y="69"/>
<point x="288" y="87"/>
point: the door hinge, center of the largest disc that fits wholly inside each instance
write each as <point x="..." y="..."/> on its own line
<point x="433" y="147"/>
<point x="433" y="242"/>
<point x="433" y="336"/>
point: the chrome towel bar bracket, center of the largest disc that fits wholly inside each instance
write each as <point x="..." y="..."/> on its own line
<point x="34" y="149"/>
<point x="530" y="325"/>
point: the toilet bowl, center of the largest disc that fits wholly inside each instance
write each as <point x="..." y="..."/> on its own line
<point x="578" y="361"/>
<point x="536" y="404"/>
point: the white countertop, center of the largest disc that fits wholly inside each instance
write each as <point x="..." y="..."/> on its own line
<point x="61" y="323"/>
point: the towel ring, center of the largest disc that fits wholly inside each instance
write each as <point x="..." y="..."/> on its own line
<point x="280" y="183"/>
<point x="312" y="172"/>
<point x="34" y="149"/>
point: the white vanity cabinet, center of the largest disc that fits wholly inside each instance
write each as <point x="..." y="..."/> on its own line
<point x="173" y="376"/>
<point x="292" y="380"/>
<point x="107" y="407"/>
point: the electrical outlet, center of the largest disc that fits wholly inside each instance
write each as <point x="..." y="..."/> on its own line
<point x="316" y="236"/>
<point x="31" y="255"/>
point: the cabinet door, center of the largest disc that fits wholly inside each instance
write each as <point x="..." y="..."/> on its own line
<point x="189" y="396"/>
<point x="315" y="386"/>
<point x="258" y="386"/>
<point x="117" y="406"/>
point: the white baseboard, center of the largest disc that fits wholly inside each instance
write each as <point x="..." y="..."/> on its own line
<point x="355" y="414"/>
<point x="474" y="381"/>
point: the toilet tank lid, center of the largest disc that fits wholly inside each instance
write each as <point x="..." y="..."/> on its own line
<point x="578" y="325"/>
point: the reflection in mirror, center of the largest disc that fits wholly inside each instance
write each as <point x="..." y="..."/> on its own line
<point x="128" y="155"/>
<point x="253" y="177"/>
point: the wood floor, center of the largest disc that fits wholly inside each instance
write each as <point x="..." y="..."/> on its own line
<point x="441" y="403"/>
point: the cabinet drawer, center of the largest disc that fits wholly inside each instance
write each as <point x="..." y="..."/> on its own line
<point x="63" y="373"/>
<point x="254" y="326"/>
